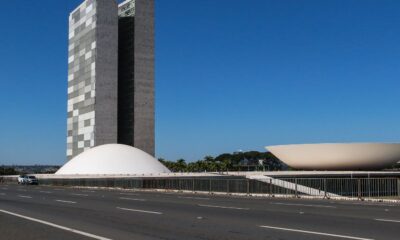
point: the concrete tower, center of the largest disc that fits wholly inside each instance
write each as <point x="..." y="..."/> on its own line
<point x="111" y="75"/>
<point x="136" y="74"/>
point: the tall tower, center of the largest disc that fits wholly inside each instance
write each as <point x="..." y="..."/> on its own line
<point x="111" y="75"/>
<point x="136" y="74"/>
<point x="92" y="76"/>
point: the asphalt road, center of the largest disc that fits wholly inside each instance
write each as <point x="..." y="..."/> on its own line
<point x="38" y="212"/>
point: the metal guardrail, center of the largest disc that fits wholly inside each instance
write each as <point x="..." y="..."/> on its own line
<point x="326" y="187"/>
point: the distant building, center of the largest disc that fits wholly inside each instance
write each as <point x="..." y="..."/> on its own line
<point x="111" y="75"/>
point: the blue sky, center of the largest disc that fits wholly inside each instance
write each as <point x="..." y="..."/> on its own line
<point x="230" y="75"/>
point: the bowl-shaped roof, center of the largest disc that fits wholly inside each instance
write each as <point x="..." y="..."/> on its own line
<point x="113" y="159"/>
<point x="338" y="156"/>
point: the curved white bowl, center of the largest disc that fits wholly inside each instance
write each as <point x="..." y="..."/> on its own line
<point x="113" y="159"/>
<point x="338" y="156"/>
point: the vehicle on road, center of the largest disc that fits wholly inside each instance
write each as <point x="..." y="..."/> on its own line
<point x="24" y="179"/>
<point x="21" y="179"/>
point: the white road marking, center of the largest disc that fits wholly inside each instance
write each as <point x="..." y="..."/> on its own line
<point x="214" y="206"/>
<point x="55" y="225"/>
<point x="138" y="210"/>
<point x="79" y="194"/>
<point x="24" y="196"/>
<point x="199" y="198"/>
<point x="316" y="233"/>
<point x="133" y="199"/>
<point x="88" y="191"/>
<point x="387" y="220"/>
<point x="45" y="192"/>
<point x="64" y="201"/>
<point x="303" y="205"/>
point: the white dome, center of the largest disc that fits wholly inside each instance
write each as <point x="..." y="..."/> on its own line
<point x="113" y="159"/>
<point x="339" y="156"/>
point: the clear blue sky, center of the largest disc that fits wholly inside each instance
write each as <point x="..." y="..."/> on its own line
<point x="230" y="74"/>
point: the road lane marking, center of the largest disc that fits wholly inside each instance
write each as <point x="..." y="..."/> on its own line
<point x="387" y="220"/>
<point x="214" y="206"/>
<point x="24" y="196"/>
<point x="303" y="205"/>
<point x="79" y="194"/>
<point x="64" y="201"/>
<point x="315" y="233"/>
<point x="2" y="194"/>
<point x="138" y="210"/>
<point x="133" y="199"/>
<point x="45" y="192"/>
<point x="199" y="198"/>
<point x="55" y="225"/>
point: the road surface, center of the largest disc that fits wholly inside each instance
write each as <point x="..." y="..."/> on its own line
<point x="39" y="212"/>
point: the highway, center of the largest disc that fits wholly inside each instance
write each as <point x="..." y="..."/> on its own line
<point x="40" y="212"/>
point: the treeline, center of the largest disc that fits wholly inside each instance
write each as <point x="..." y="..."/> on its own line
<point x="251" y="160"/>
<point x="7" y="171"/>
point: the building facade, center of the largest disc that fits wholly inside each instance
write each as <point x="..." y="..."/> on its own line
<point x="111" y="75"/>
<point x="136" y="74"/>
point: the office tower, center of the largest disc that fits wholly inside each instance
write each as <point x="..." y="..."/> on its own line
<point x="136" y="74"/>
<point x="111" y="81"/>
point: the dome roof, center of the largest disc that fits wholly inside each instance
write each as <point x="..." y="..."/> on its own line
<point x="338" y="156"/>
<point x="113" y="159"/>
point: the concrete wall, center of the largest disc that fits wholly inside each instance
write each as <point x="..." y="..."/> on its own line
<point x="106" y="107"/>
<point x="144" y="76"/>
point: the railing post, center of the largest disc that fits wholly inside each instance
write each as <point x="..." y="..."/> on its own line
<point x="270" y="187"/>
<point x="193" y="185"/>
<point x="296" y="194"/>
<point x="248" y="187"/>
<point x="398" y="187"/>
<point x="210" y="185"/>
<point x="325" y="189"/>
<point x="359" y="188"/>
<point x="227" y="186"/>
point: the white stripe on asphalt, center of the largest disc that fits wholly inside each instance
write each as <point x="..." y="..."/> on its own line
<point x="214" y="206"/>
<point x="315" y="233"/>
<point x="24" y="196"/>
<point x="303" y="205"/>
<point x="133" y="199"/>
<point x="200" y="198"/>
<point x="138" y="210"/>
<point x="64" y="201"/>
<point x="387" y="220"/>
<point x="44" y="192"/>
<point x="79" y="194"/>
<point x="56" y="226"/>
